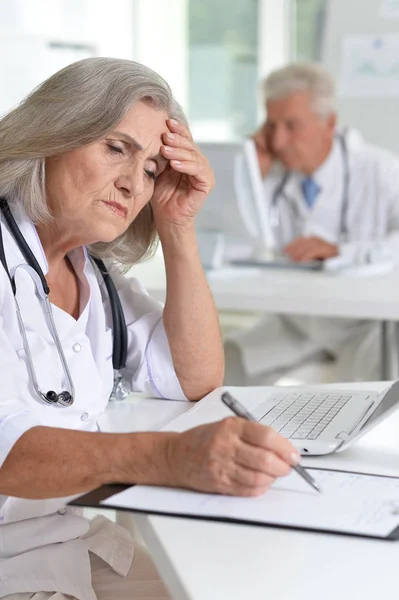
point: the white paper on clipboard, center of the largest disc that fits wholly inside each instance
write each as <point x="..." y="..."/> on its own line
<point x="354" y="503"/>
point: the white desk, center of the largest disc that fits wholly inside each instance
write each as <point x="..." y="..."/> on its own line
<point x="293" y="292"/>
<point x="140" y="413"/>
<point x="215" y="561"/>
<point x="297" y="293"/>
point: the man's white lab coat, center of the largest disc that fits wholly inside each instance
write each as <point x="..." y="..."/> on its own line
<point x="44" y="546"/>
<point x="280" y="343"/>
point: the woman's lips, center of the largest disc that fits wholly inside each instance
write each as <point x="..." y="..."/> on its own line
<point x="117" y="208"/>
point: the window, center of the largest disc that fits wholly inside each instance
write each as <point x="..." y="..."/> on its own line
<point x="308" y="28"/>
<point x="223" y="68"/>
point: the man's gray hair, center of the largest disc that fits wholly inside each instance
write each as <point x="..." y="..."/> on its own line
<point x="77" y="106"/>
<point x="309" y="77"/>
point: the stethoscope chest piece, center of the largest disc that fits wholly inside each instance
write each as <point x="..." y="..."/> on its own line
<point x="122" y="387"/>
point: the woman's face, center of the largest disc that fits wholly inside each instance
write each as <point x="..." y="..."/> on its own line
<point x="96" y="191"/>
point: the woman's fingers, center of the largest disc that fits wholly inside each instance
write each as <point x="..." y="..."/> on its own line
<point x="250" y="479"/>
<point x="262" y="461"/>
<point x="194" y="169"/>
<point x="178" y="127"/>
<point x="199" y="172"/>
<point x="232" y="456"/>
<point x="245" y="491"/>
<point x="267" y="438"/>
<point x="178" y="141"/>
<point x="184" y="157"/>
<point x="179" y="154"/>
<point x="236" y="487"/>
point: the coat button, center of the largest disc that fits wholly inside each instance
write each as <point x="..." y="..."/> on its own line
<point x="84" y="416"/>
<point x="76" y="347"/>
<point x="62" y="511"/>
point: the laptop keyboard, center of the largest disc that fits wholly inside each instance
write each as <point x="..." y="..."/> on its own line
<point x="301" y="416"/>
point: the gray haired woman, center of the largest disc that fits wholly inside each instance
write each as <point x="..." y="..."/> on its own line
<point x="98" y="161"/>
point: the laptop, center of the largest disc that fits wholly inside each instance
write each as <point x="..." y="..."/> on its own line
<point x="316" y="421"/>
<point x="280" y="262"/>
<point x="325" y="421"/>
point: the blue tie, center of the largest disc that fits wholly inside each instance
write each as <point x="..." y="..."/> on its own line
<point x="310" y="189"/>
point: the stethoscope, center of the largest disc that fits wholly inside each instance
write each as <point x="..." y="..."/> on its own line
<point x="121" y="386"/>
<point x="279" y="192"/>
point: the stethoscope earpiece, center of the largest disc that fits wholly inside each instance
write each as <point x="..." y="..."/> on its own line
<point x="52" y="397"/>
<point x="64" y="398"/>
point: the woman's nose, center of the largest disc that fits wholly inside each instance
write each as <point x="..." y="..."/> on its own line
<point x="131" y="183"/>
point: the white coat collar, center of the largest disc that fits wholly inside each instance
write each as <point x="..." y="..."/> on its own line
<point x="323" y="173"/>
<point x="78" y="256"/>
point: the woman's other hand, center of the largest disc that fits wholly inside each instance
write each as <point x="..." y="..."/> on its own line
<point x="233" y="456"/>
<point x="182" y="188"/>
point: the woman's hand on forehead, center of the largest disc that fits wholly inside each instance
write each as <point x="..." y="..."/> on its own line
<point x="182" y="188"/>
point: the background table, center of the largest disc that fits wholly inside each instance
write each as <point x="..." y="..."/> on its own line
<point x="289" y="291"/>
<point x="299" y="293"/>
<point x="213" y="561"/>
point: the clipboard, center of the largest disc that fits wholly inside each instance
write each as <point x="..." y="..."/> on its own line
<point x="380" y="505"/>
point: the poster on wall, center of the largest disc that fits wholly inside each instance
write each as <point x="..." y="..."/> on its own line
<point x="389" y="9"/>
<point x="370" y="66"/>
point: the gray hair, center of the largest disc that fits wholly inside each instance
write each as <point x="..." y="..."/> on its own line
<point x="74" y="107"/>
<point x="310" y="77"/>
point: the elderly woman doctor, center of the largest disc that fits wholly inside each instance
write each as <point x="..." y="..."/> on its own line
<point x="97" y="161"/>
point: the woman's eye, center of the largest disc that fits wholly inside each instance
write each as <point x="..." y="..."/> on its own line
<point x="151" y="174"/>
<point x="115" y="149"/>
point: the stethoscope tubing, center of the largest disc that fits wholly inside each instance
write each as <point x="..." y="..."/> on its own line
<point x="120" y="341"/>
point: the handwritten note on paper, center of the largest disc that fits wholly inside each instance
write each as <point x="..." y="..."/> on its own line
<point x="351" y="502"/>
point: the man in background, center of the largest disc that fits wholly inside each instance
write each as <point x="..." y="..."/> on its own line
<point x="334" y="196"/>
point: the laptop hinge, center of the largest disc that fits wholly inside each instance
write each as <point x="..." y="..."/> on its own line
<point x="344" y="435"/>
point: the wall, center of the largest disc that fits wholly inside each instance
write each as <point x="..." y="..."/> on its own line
<point x="375" y="117"/>
<point x="154" y="32"/>
<point x="38" y="37"/>
<point x="161" y="41"/>
<point x="274" y="34"/>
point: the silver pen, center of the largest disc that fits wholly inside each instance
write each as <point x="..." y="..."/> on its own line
<point x="239" y="410"/>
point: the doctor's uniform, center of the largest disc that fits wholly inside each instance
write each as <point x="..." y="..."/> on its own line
<point x="47" y="549"/>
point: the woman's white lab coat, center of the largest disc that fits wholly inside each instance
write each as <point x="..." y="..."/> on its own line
<point x="279" y="343"/>
<point x="43" y="545"/>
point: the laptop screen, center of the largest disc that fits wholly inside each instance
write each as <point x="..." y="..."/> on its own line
<point x="388" y="402"/>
